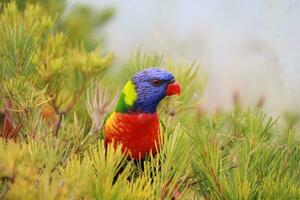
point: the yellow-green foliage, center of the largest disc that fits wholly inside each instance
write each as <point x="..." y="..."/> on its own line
<point x="32" y="56"/>
<point x="58" y="153"/>
<point x="33" y="170"/>
<point x="80" y="23"/>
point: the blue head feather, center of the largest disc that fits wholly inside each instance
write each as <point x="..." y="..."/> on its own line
<point x="149" y="93"/>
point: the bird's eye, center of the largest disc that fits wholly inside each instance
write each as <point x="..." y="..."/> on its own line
<point x="156" y="82"/>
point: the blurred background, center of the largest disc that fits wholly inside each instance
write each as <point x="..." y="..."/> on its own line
<point x="247" y="48"/>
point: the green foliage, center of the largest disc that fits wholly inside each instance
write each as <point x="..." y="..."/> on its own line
<point x="36" y="72"/>
<point x="292" y="119"/>
<point x="51" y="150"/>
<point x="243" y="158"/>
<point x="51" y="7"/>
<point x="31" y="170"/>
<point x="84" y="24"/>
<point x="80" y="24"/>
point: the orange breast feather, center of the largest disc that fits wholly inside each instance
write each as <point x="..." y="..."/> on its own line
<point x="138" y="133"/>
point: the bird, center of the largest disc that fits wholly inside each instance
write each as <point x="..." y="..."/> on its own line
<point x="134" y="123"/>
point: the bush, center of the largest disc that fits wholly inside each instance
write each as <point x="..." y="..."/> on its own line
<point x="50" y="149"/>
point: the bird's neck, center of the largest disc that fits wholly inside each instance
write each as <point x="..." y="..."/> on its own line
<point x="130" y="103"/>
<point x="127" y="98"/>
<point x="138" y="106"/>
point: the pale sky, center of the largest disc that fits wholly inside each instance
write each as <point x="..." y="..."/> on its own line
<point x="250" y="46"/>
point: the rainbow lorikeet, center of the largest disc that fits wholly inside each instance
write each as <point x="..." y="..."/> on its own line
<point x="134" y="123"/>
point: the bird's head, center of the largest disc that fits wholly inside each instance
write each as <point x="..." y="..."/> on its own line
<point x="143" y="92"/>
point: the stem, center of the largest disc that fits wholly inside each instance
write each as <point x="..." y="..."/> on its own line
<point x="57" y="127"/>
<point x="68" y="109"/>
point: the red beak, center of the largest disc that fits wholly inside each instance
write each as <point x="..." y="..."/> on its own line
<point x="173" y="88"/>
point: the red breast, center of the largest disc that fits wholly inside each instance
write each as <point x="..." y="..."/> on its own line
<point x="138" y="133"/>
